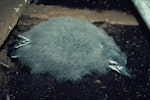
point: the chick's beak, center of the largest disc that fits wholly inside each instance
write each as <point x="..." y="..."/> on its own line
<point x="125" y="71"/>
<point x="122" y="70"/>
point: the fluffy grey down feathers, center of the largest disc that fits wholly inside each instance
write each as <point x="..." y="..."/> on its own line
<point x="68" y="49"/>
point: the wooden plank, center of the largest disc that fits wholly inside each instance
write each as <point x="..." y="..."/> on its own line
<point x="10" y="11"/>
<point x="143" y="7"/>
<point x="112" y="17"/>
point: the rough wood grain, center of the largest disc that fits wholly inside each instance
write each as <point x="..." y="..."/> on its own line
<point x="10" y="12"/>
<point x="112" y="17"/>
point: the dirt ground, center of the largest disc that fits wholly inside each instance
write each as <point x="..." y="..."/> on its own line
<point x="16" y="83"/>
<point x="22" y="85"/>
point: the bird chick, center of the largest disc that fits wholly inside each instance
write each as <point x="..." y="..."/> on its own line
<point x="68" y="49"/>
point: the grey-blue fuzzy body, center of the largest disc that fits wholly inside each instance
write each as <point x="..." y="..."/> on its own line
<point x="68" y="49"/>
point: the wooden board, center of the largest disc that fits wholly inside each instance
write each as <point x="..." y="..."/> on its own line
<point x="10" y="11"/>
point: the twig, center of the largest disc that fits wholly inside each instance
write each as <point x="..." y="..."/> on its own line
<point x="4" y="64"/>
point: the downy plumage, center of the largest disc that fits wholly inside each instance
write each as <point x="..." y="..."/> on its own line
<point x="68" y="49"/>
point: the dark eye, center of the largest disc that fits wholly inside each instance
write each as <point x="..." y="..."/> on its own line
<point x="113" y="64"/>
